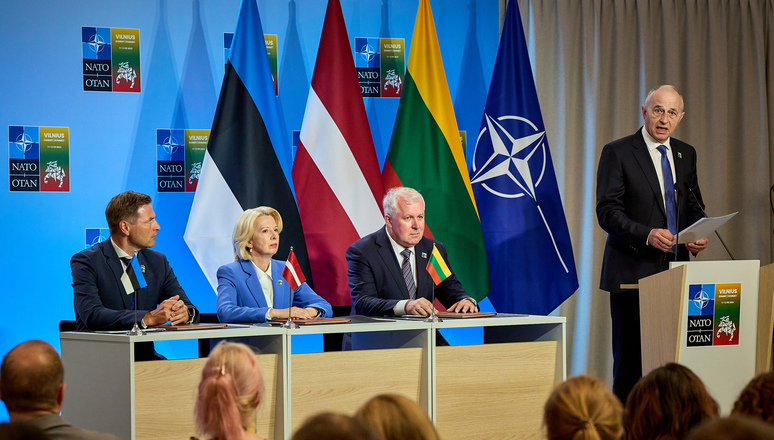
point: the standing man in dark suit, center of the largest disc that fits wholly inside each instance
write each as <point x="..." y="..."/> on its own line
<point x="101" y="302"/>
<point x="31" y="385"/>
<point x="647" y="190"/>
<point x="386" y="269"/>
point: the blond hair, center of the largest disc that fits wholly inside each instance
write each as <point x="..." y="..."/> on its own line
<point x="582" y="408"/>
<point x="397" y="417"/>
<point x="245" y="227"/>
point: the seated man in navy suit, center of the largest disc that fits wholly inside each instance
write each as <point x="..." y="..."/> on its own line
<point x="101" y="301"/>
<point x="386" y="269"/>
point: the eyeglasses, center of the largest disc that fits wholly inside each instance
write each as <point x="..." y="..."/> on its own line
<point x="658" y="112"/>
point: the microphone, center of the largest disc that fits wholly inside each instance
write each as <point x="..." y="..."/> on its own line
<point x="698" y="202"/>
<point x="677" y="232"/>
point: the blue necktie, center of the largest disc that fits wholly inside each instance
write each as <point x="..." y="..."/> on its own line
<point x="669" y="191"/>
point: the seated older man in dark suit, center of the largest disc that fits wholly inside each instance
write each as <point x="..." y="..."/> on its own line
<point x="386" y="269"/>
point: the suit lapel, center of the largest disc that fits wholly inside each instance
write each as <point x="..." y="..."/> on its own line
<point x="117" y="268"/>
<point x="390" y="261"/>
<point x="641" y="154"/>
<point x="280" y="285"/>
<point x="252" y="284"/>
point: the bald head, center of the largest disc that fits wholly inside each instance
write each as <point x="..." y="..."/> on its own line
<point x="30" y="378"/>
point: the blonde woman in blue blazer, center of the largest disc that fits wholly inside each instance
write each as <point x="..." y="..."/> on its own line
<point x="252" y="289"/>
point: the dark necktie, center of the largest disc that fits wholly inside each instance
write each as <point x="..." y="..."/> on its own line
<point x="129" y="271"/>
<point x="669" y="191"/>
<point x="408" y="276"/>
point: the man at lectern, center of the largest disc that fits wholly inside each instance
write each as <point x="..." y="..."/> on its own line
<point x="647" y="190"/>
<point x="99" y="274"/>
<point x="386" y="269"/>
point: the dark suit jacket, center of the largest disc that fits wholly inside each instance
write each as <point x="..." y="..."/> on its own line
<point x="376" y="281"/>
<point x="57" y="428"/>
<point x="100" y="300"/>
<point x="241" y="299"/>
<point x="630" y="205"/>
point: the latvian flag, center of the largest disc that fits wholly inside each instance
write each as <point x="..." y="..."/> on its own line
<point x="336" y="172"/>
<point x="248" y="159"/>
<point x="437" y="268"/>
<point x="292" y="272"/>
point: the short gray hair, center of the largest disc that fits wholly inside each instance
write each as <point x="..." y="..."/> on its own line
<point x="650" y="94"/>
<point x="409" y="195"/>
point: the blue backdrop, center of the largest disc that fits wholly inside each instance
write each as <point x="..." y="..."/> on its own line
<point x="112" y="136"/>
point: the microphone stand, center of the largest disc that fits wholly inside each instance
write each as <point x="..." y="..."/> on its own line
<point x="433" y="317"/>
<point x="705" y="215"/>
<point x="136" y="330"/>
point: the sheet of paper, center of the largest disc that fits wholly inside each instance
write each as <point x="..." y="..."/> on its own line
<point x="703" y="228"/>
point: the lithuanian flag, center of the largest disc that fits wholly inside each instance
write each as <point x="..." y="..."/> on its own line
<point x="437" y="267"/>
<point x="426" y="154"/>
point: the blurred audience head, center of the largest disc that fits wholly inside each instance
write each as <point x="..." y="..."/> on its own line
<point x="582" y="408"/>
<point x="229" y="392"/>
<point x="757" y="398"/>
<point x="667" y="404"/>
<point x="733" y="428"/>
<point x="330" y="426"/>
<point x="31" y="376"/>
<point x="396" y="417"/>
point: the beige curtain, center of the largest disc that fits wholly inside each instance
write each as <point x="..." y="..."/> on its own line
<point x="594" y="61"/>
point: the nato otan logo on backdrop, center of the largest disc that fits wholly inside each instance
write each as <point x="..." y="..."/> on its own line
<point x="381" y="66"/>
<point x="39" y="158"/>
<point x="111" y="59"/>
<point x="271" y="50"/>
<point x="96" y="235"/>
<point x="713" y="314"/>
<point x="179" y="157"/>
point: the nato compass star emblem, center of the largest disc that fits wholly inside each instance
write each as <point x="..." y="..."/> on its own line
<point x="96" y="43"/>
<point x="23" y="143"/>
<point x="170" y="146"/>
<point x="368" y="53"/>
<point x="701" y="299"/>
<point x="506" y="173"/>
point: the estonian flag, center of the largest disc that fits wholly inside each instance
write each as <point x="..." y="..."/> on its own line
<point x="248" y="159"/>
<point x="133" y="278"/>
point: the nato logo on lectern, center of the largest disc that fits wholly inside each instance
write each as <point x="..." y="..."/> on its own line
<point x="111" y="59"/>
<point x="713" y="314"/>
<point x="39" y="158"/>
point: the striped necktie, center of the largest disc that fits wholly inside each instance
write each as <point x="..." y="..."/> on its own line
<point x="408" y="276"/>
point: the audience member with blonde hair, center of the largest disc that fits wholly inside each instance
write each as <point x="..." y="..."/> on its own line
<point x="757" y="398"/>
<point x="229" y="392"/>
<point x="666" y="404"/>
<point x="330" y="426"/>
<point x="582" y="408"/>
<point x="397" y="417"/>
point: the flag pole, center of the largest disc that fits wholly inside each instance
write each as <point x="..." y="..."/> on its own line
<point x="433" y="317"/>
<point x="289" y="323"/>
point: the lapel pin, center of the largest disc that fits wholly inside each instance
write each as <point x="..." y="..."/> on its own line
<point x="279" y="282"/>
<point x="679" y="155"/>
<point x="424" y="254"/>
<point x="142" y="267"/>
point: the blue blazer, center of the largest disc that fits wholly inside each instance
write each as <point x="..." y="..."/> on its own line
<point x="241" y="299"/>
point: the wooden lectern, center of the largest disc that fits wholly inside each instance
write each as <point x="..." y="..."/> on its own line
<point x="714" y="317"/>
